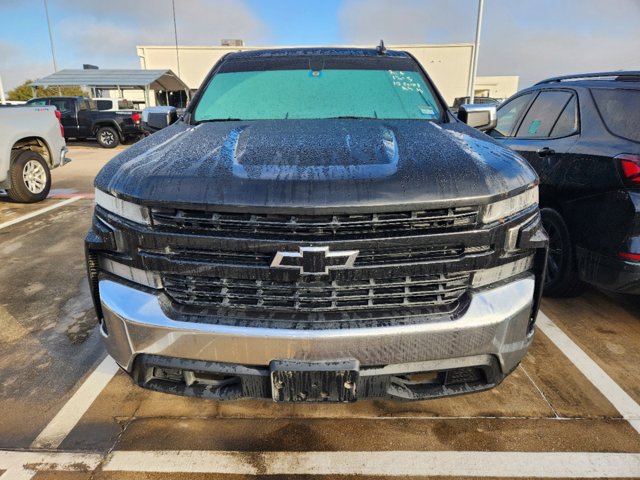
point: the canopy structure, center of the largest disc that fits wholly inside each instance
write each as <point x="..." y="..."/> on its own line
<point x="115" y="80"/>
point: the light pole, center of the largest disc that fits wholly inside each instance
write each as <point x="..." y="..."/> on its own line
<point x="3" y="100"/>
<point x="53" y="49"/>
<point x="476" y="48"/>
<point x="175" y="35"/>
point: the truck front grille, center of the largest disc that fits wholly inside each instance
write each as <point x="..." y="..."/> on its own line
<point x="413" y="222"/>
<point x="216" y="266"/>
<point x="439" y="290"/>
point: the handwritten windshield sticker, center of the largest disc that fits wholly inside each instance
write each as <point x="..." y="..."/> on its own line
<point x="315" y="73"/>
<point x="534" y="126"/>
<point x="404" y="81"/>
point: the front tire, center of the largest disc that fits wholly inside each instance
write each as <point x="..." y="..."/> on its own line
<point x="562" y="279"/>
<point x="30" y="177"/>
<point x="108" y="137"/>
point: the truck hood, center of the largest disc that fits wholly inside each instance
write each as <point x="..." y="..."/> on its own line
<point x="315" y="164"/>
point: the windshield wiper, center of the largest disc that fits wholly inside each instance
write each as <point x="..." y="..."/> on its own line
<point x="219" y="120"/>
<point x="350" y="117"/>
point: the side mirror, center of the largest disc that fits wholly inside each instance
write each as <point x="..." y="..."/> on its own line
<point x="483" y="117"/>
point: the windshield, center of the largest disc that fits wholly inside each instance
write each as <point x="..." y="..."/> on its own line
<point x="317" y="94"/>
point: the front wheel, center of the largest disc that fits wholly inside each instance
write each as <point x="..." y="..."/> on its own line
<point x="562" y="278"/>
<point x="30" y="177"/>
<point x="108" y="137"/>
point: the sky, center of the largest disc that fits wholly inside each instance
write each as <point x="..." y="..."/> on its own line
<point x="534" y="39"/>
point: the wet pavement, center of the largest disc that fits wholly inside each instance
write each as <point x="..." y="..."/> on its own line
<point x="570" y="410"/>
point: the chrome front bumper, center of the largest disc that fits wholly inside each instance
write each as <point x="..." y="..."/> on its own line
<point x="495" y="324"/>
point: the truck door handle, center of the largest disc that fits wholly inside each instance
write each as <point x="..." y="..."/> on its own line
<point x="545" y="152"/>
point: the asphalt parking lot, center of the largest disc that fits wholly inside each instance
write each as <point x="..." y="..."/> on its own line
<point x="571" y="410"/>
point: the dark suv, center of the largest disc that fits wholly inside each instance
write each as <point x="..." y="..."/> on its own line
<point x="318" y="227"/>
<point x="581" y="133"/>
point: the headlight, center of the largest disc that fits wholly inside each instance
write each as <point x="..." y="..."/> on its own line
<point x="510" y="206"/>
<point x="130" y="211"/>
<point x="502" y="272"/>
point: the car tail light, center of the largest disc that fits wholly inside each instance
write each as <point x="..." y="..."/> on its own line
<point x="136" y="118"/>
<point x="634" y="257"/>
<point x="59" y="117"/>
<point x="630" y="168"/>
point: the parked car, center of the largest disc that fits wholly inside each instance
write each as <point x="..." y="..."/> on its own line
<point x="114" y="104"/>
<point x="581" y="133"/>
<point x="318" y="227"/>
<point x="82" y="119"/>
<point x="31" y="144"/>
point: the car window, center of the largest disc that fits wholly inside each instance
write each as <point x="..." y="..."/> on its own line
<point x="568" y="121"/>
<point x="543" y="114"/>
<point x="509" y="113"/>
<point x="104" y="104"/>
<point x="37" y="102"/>
<point x="125" y="105"/>
<point x="620" y="110"/>
<point x="61" y="105"/>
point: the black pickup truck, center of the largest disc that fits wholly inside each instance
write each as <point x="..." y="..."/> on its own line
<point x="318" y="227"/>
<point x="81" y="119"/>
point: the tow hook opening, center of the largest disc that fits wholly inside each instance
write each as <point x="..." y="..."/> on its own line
<point x="432" y="384"/>
<point x="470" y="375"/>
<point x="190" y="378"/>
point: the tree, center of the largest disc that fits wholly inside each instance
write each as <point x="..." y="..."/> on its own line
<point x="24" y="92"/>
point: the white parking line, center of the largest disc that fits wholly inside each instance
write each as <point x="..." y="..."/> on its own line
<point x="18" y="473"/>
<point x="24" y="465"/>
<point x="627" y="406"/>
<point x="67" y="418"/>
<point x="39" y="212"/>
<point x="390" y="463"/>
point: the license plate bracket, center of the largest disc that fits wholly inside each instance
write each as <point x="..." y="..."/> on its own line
<point x="300" y="382"/>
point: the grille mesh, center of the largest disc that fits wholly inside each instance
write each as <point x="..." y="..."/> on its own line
<point x="389" y="290"/>
<point x="413" y="222"/>
<point x="317" y="296"/>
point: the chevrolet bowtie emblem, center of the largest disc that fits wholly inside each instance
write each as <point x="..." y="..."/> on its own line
<point x="314" y="260"/>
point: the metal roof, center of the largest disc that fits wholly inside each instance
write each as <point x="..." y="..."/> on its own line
<point x="154" y="79"/>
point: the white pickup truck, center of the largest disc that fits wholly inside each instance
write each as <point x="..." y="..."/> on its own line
<point x="31" y="144"/>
